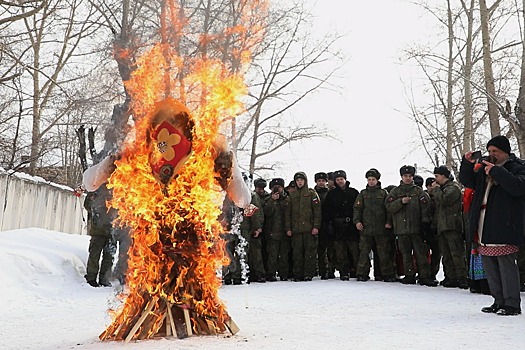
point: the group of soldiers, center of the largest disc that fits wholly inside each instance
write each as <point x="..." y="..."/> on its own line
<point x="300" y="232"/>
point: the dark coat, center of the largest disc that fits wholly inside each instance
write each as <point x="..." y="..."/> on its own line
<point x="339" y="205"/>
<point x="505" y="212"/>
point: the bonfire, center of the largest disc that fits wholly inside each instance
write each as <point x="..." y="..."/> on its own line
<point x="169" y="181"/>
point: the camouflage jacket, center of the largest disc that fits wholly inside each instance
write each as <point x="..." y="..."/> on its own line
<point x="302" y="210"/>
<point x="252" y="223"/>
<point x="274" y="217"/>
<point x="100" y="215"/>
<point x="447" y="199"/>
<point x="407" y="218"/>
<point x="370" y="210"/>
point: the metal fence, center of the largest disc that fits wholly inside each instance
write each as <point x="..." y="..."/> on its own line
<point x="33" y="202"/>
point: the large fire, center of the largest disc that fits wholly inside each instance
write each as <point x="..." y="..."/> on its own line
<point x="176" y="250"/>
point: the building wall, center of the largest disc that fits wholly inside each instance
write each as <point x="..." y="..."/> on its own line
<point x="32" y="202"/>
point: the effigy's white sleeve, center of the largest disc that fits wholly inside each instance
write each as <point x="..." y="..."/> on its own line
<point x="237" y="189"/>
<point x="98" y="174"/>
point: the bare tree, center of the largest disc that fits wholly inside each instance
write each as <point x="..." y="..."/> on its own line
<point x="458" y="116"/>
<point x="294" y="65"/>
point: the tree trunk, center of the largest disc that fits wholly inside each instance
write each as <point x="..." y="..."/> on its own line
<point x="468" y="134"/>
<point x="519" y="125"/>
<point x="450" y="91"/>
<point x="493" y="111"/>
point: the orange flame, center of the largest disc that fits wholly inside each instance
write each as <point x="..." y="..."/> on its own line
<point x="176" y="248"/>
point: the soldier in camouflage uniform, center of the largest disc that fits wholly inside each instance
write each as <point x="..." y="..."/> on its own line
<point x="251" y="230"/>
<point x="447" y="197"/>
<point x="302" y="222"/>
<point x="409" y="204"/>
<point x="340" y="211"/>
<point x="100" y="219"/>
<point x="325" y="248"/>
<point x="371" y="219"/>
<point x="277" y="242"/>
<point x="431" y="236"/>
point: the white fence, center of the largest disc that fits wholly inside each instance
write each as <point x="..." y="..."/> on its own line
<point x="32" y="202"/>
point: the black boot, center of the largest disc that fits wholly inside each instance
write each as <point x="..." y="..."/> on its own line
<point x="492" y="309"/>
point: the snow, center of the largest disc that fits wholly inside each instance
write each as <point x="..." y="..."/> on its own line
<point x="46" y="304"/>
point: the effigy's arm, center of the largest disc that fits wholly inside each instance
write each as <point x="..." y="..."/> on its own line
<point x="98" y="174"/>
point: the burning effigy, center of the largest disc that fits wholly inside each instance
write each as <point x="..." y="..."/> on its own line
<point x="168" y="181"/>
<point x="168" y="190"/>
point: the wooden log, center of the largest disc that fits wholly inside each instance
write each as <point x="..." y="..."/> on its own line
<point x="145" y="314"/>
<point x="188" y="321"/>
<point x="211" y="327"/>
<point x="170" y="324"/>
<point x="232" y="326"/>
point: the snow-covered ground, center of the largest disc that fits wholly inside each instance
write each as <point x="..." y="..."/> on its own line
<point x="46" y="304"/>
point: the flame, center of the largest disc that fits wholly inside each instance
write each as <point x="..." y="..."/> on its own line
<point x="176" y="248"/>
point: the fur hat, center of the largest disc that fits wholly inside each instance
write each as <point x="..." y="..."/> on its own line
<point x="277" y="181"/>
<point x="321" y="175"/>
<point x="442" y="170"/>
<point x="407" y="169"/>
<point x="291" y="184"/>
<point x="418" y="180"/>
<point x="299" y="175"/>
<point x="373" y="173"/>
<point x="260" y="183"/>
<point x="338" y="173"/>
<point x="429" y="181"/>
<point x="500" y="142"/>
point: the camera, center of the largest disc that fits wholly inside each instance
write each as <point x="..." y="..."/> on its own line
<point x="275" y="189"/>
<point x="476" y="155"/>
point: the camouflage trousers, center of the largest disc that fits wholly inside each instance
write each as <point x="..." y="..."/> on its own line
<point x="452" y="249"/>
<point x="326" y="255"/>
<point x="104" y="246"/>
<point x="366" y="243"/>
<point x="304" y="251"/>
<point x="347" y="254"/>
<point x="277" y="251"/>
<point x="413" y="243"/>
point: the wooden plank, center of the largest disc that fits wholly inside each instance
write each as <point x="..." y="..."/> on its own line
<point x="145" y="314"/>
<point x="188" y="321"/>
<point x="232" y="326"/>
<point x="170" y="321"/>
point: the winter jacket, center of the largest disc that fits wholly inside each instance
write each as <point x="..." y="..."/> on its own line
<point x="302" y="209"/>
<point x="505" y="211"/>
<point x="252" y="223"/>
<point x="100" y="214"/>
<point x="274" y="218"/>
<point x="340" y="211"/>
<point x="447" y="199"/>
<point x="370" y="210"/>
<point x="408" y="218"/>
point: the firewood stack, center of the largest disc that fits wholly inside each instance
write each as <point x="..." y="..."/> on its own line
<point x="174" y="309"/>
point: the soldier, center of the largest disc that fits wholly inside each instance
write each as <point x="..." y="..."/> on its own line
<point x="447" y="197"/>
<point x="251" y="230"/>
<point x="431" y="235"/>
<point x="409" y="204"/>
<point x="277" y="242"/>
<point x="371" y="219"/>
<point x="340" y="210"/>
<point x="100" y="219"/>
<point x="325" y="249"/>
<point x="302" y="223"/>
